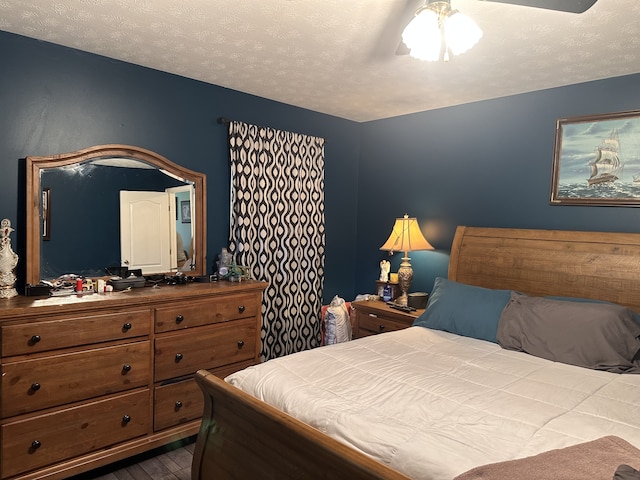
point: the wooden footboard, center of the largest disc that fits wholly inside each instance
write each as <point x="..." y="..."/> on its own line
<point x="244" y="438"/>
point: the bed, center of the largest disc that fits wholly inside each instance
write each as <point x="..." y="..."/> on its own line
<point x="448" y="401"/>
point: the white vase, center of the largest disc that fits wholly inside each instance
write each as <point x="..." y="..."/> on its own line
<point x="8" y="262"/>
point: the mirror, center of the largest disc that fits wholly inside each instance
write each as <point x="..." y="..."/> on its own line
<point x="74" y="221"/>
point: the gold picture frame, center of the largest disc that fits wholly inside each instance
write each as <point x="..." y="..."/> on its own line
<point x="596" y="160"/>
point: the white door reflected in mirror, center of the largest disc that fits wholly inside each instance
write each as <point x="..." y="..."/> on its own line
<point x="146" y="242"/>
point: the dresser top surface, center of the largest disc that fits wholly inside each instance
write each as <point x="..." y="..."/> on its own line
<point x="22" y="305"/>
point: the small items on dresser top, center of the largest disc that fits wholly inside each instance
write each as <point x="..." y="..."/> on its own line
<point x="227" y="269"/>
<point x="72" y="284"/>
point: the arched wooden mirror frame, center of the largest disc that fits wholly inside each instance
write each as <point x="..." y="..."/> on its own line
<point x="35" y="165"/>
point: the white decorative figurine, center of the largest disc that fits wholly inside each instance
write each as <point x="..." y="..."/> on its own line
<point x="8" y="261"/>
<point x="385" y="267"/>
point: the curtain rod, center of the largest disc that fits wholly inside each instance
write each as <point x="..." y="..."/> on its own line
<point x="226" y="121"/>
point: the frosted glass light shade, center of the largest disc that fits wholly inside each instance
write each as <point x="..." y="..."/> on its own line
<point x="437" y="29"/>
<point x="461" y="33"/>
<point x="423" y="36"/>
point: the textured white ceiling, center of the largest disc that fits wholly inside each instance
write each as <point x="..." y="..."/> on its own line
<point x="338" y="56"/>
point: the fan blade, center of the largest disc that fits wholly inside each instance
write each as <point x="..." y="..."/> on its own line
<point x="571" y="6"/>
<point x="402" y="49"/>
<point x="391" y="32"/>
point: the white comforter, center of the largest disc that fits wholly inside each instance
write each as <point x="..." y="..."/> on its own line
<point x="432" y="404"/>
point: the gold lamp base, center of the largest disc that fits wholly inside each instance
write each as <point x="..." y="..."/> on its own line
<point x="405" y="276"/>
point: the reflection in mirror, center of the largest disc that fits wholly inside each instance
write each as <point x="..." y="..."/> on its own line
<point x="84" y="228"/>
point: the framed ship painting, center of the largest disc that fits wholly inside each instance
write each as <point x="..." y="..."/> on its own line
<point x="596" y="160"/>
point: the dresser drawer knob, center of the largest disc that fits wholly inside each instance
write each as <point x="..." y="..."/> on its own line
<point x="240" y="343"/>
<point x="126" y="419"/>
<point x="178" y="405"/>
<point x="126" y="368"/>
<point x="241" y="308"/>
<point x="34" y="339"/>
<point x="126" y="327"/>
<point x="381" y="328"/>
<point x="179" y="357"/>
<point x="35" y="445"/>
<point x="179" y="318"/>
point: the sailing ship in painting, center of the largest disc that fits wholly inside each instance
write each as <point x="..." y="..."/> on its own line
<point x="606" y="166"/>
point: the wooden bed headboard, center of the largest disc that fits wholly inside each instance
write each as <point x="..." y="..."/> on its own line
<point x="598" y="265"/>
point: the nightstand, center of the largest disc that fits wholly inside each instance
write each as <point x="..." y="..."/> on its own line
<point x="373" y="317"/>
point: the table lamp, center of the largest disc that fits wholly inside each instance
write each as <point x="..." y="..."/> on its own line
<point x="405" y="237"/>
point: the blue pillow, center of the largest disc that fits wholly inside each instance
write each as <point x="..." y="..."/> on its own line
<point x="464" y="309"/>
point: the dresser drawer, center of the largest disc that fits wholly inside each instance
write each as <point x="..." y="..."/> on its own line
<point x="177" y="403"/>
<point x="43" y="335"/>
<point x="205" y="347"/>
<point x="371" y="325"/>
<point x="29" y="385"/>
<point x="199" y="313"/>
<point x="47" y="439"/>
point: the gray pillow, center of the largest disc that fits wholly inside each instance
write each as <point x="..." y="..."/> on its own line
<point x="593" y="335"/>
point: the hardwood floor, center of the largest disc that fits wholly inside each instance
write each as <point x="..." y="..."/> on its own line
<point x="172" y="462"/>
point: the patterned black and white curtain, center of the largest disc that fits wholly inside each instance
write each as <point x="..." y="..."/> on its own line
<point x="277" y="229"/>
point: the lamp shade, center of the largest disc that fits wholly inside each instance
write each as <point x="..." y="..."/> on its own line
<point x="406" y="236"/>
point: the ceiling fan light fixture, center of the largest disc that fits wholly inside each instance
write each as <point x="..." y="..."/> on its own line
<point x="436" y="24"/>
<point x="461" y="32"/>
<point x="423" y="36"/>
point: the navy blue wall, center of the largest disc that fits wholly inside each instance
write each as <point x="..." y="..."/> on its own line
<point x="55" y="99"/>
<point x="486" y="163"/>
<point x="481" y="164"/>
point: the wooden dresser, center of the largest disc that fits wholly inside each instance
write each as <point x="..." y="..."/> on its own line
<point x="373" y="317"/>
<point x="88" y="380"/>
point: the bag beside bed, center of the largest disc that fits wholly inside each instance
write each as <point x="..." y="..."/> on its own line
<point x="336" y="322"/>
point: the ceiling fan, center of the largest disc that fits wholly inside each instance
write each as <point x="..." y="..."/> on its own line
<point x="571" y="6"/>
<point x="411" y="7"/>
